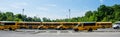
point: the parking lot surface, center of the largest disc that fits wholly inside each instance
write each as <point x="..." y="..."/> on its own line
<point x="59" y="33"/>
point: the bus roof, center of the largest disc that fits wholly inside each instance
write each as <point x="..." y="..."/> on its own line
<point x="103" y="22"/>
<point x="29" y="22"/>
<point x="59" y="22"/>
<point x="87" y="22"/>
<point x="7" y="21"/>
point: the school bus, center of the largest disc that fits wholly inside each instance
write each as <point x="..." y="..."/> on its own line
<point x="104" y="24"/>
<point x="55" y="25"/>
<point x="76" y="26"/>
<point x="1" y="26"/>
<point x="11" y="25"/>
<point x="49" y="25"/>
<point x="89" y="26"/>
<point x="66" y="25"/>
<point x="28" y="25"/>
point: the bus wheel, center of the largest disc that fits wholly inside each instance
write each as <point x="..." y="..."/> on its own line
<point x="30" y="27"/>
<point x="10" y="29"/>
<point x="22" y="27"/>
<point x="40" y="28"/>
<point x="13" y="29"/>
<point x="76" y="30"/>
<point x="2" y="29"/>
<point x="57" y="29"/>
<point x="63" y="29"/>
<point x="90" y="30"/>
<point x="103" y="27"/>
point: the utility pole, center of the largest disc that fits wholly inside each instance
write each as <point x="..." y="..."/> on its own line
<point x="23" y="14"/>
<point x="69" y="13"/>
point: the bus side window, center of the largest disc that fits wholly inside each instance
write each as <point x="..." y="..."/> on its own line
<point x="1" y="24"/>
<point x="79" y="25"/>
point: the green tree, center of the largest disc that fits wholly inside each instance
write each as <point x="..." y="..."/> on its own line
<point x="88" y="13"/>
<point x="46" y="19"/>
<point x="10" y="16"/>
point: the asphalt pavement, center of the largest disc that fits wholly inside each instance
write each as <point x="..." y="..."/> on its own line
<point x="58" y="33"/>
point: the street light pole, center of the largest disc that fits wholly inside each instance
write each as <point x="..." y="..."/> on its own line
<point x="23" y="14"/>
<point x="69" y="13"/>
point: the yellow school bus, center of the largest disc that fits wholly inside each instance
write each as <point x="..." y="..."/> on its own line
<point x="66" y="25"/>
<point x="76" y="26"/>
<point x="55" y="25"/>
<point x="11" y="25"/>
<point x="28" y="25"/>
<point x="49" y="25"/>
<point x="104" y="24"/>
<point x="89" y="26"/>
<point x="1" y="26"/>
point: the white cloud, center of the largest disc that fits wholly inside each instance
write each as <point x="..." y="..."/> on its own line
<point x="18" y="5"/>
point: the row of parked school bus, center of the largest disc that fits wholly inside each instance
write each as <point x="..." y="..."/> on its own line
<point x="76" y="26"/>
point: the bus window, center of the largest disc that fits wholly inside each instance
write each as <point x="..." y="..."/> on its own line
<point x="9" y="23"/>
<point x="79" y="25"/>
<point x="75" y="24"/>
<point x="1" y="24"/>
<point x="68" y="24"/>
<point x="56" y="24"/>
<point x="46" y="24"/>
<point x="89" y="24"/>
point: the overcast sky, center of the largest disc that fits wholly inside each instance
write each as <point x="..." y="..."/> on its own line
<point x="53" y="9"/>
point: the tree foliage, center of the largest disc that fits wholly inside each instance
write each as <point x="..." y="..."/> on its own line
<point x="103" y="13"/>
<point x="9" y="16"/>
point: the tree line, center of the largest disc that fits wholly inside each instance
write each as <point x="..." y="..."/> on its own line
<point x="102" y="14"/>
<point x="9" y="16"/>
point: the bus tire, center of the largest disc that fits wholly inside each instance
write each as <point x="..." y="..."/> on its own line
<point x="40" y="28"/>
<point x="76" y="30"/>
<point x="13" y="29"/>
<point x="90" y="30"/>
<point x="30" y="27"/>
<point x="10" y="29"/>
<point x="57" y="28"/>
<point x="2" y="29"/>
<point x="63" y="29"/>
<point x="60" y="28"/>
<point x="22" y="27"/>
<point x="103" y="27"/>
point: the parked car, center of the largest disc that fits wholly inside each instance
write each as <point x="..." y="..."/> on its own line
<point x="116" y="26"/>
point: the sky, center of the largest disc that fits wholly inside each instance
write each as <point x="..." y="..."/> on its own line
<point x="53" y="9"/>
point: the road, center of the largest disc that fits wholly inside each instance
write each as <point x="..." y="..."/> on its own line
<point x="57" y="33"/>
